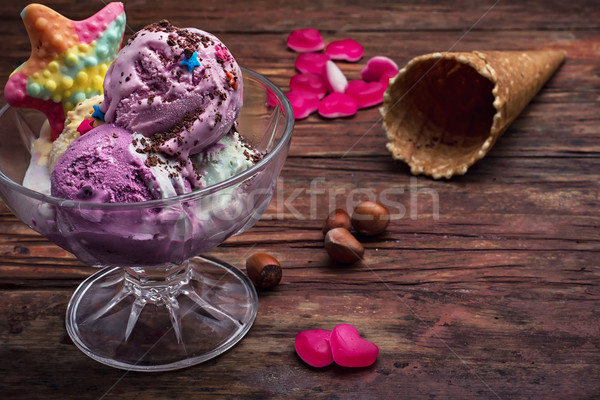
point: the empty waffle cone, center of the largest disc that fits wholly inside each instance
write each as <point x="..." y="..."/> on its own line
<point x="445" y="111"/>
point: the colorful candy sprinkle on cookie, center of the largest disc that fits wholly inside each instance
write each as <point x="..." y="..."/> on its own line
<point x="68" y="60"/>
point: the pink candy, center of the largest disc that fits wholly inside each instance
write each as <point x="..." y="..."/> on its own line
<point x="303" y="103"/>
<point x="221" y="53"/>
<point x="311" y="62"/>
<point x="313" y="347"/>
<point x="336" y="105"/>
<point x="310" y="83"/>
<point x="334" y="78"/>
<point x="321" y="78"/>
<point x="379" y="68"/>
<point x="366" y="94"/>
<point x="319" y="347"/>
<point x="349" y="349"/>
<point x="305" y="40"/>
<point x="85" y="126"/>
<point x="347" y="50"/>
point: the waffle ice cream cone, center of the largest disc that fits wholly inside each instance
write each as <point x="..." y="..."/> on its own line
<point x="444" y="111"/>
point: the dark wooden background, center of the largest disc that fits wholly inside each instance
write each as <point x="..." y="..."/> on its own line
<point x="497" y="298"/>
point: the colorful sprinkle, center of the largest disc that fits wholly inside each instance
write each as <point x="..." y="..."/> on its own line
<point x="68" y="60"/>
<point x="232" y="80"/>
<point x="85" y="126"/>
<point x="221" y="53"/>
<point x="190" y="61"/>
<point x="98" y="113"/>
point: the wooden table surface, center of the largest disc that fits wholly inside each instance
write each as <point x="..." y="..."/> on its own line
<point x="484" y="286"/>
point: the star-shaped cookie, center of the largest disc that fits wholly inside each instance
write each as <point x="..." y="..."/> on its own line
<point x="68" y="60"/>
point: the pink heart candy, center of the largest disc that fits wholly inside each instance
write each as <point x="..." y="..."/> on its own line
<point x="305" y="40"/>
<point x="313" y="347"/>
<point x="379" y="67"/>
<point x="337" y="105"/>
<point x="310" y="83"/>
<point x="311" y="62"/>
<point x="349" y="349"/>
<point x="385" y="78"/>
<point x="366" y="94"/>
<point x="334" y="78"/>
<point x="303" y="103"/>
<point x="347" y="50"/>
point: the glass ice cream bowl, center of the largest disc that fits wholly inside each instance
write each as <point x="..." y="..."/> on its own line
<point x="156" y="304"/>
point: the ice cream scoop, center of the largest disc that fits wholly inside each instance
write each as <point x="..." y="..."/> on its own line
<point x="100" y="167"/>
<point x="109" y="164"/>
<point x="180" y="86"/>
<point x="227" y="158"/>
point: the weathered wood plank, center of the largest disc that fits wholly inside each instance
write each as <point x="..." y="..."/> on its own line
<point x="471" y="343"/>
<point x="239" y="16"/>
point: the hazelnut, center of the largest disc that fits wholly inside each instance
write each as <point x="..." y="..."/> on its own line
<point x="337" y="219"/>
<point x="263" y="270"/>
<point x="342" y="246"/>
<point x="370" y="218"/>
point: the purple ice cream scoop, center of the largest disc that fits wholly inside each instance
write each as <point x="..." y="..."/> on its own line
<point x="100" y="167"/>
<point x="180" y="86"/>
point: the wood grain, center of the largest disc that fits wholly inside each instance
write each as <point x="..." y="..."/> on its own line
<point x="484" y="286"/>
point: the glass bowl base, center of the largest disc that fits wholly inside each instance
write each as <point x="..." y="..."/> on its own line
<point x="162" y="320"/>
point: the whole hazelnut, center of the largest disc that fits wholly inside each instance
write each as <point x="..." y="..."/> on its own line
<point x="342" y="246"/>
<point x="337" y="219"/>
<point x="263" y="270"/>
<point x="370" y="218"/>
